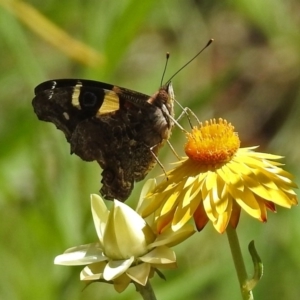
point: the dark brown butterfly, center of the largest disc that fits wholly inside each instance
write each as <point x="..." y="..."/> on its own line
<point x="119" y="128"/>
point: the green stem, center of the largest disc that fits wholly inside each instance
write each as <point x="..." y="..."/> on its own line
<point x="238" y="262"/>
<point x="146" y="291"/>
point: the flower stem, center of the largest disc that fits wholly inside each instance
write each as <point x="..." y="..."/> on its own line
<point x="238" y="262"/>
<point x="146" y="291"/>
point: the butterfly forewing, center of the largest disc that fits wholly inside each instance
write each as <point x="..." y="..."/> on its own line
<point x="117" y="127"/>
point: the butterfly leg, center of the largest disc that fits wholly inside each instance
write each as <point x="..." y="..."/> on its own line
<point x="158" y="161"/>
<point x="173" y="150"/>
<point x="186" y="111"/>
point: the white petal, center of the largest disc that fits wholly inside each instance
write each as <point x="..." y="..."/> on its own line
<point x="81" y="255"/>
<point x="121" y="283"/>
<point x="93" y="271"/>
<point x="139" y="273"/>
<point x="100" y="215"/>
<point x="159" y="255"/>
<point x="115" y="268"/>
<point x="147" y="187"/>
<point x="171" y="238"/>
<point x="127" y="234"/>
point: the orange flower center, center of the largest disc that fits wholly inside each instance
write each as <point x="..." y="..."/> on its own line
<point x="212" y="143"/>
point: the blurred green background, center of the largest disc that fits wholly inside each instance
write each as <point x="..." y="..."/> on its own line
<point x="250" y="75"/>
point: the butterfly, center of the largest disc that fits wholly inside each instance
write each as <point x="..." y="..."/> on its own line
<point x="119" y="128"/>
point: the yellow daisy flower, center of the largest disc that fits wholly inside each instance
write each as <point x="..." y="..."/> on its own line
<point x="217" y="179"/>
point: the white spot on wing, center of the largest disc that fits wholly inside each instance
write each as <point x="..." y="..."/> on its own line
<point x="54" y="83"/>
<point x="66" y="115"/>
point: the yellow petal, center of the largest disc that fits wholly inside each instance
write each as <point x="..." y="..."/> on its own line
<point x="260" y="155"/>
<point x="238" y="167"/>
<point x="229" y="177"/>
<point x="189" y="182"/>
<point x="209" y="208"/>
<point x="235" y="177"/>
<point x="252" y="162"/>
<point x="287" y="178"/>
<point x="170" y="203"/>
<point x="150" y="205"/>
<point x="256" y="187"/>
<point x="280" y="198"/>
<point x="156" y="200"/>
<point x="221" y="203"/>
<point x="247" y="201"/>
<point x="263" y="211"/>
<point x="221" y="223"/>
<point x="210" y="180"/>
<point x="184" y="214"/>
<point x="189" y="192"/>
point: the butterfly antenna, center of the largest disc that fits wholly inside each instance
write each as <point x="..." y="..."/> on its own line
<point x="208" y="43"/>
<point x="165" y="68"/>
